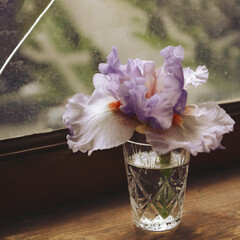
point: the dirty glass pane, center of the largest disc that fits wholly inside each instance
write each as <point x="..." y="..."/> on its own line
<point x="61" y="55"/>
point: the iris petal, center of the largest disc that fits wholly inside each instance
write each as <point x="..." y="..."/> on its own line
<point x="156" y="110"/>
<point x="201" y="130"/>
<point x="94" y="125"/>
<point x="148" y="71"/>
<point x="170" y="77"/>
<point x="195" y="78"/>
<point x="113" y="63"/>
<point x="101" y="82"/>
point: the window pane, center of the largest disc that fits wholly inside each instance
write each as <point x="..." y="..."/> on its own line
<point x="61" y="55"/>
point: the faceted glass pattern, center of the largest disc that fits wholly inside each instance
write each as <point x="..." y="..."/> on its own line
<point x="156" y="191"/>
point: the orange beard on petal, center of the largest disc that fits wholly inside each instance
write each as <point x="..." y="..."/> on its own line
<point x="177" y="120"/>
<point x="114" y="105"/>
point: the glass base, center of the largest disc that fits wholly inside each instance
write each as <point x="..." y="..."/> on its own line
<point x="158" y="224"/>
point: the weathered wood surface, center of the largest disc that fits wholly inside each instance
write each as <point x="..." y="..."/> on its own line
<point x="211" y="211"/>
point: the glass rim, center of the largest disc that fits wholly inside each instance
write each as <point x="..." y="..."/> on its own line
<point x="149" y="145"/>
<point x="139" y="143"/>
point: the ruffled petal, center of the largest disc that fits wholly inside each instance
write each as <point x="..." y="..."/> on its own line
<point x="148" y="71"/>
<point x="181" y="103"/>
<point x="161" y="113"/>
<point x="170" y="77"/>
<point x="149" y="74"/>
<point x="94" y="125"/>
<point x="201" y="130"/>
<point x="173" y="57"/>
<point x="156" y="110"/>
<point x="133" y="69"/>
<point x="114" y="71"/>
<point x="162" y="93"/>
<point x="113" y="63"/>
<point x="195" y="78"/>
<point x="132" y="95"/>
<point x="101" y="82"/>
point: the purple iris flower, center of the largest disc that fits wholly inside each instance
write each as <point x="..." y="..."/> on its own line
<point x="139" y="96"/>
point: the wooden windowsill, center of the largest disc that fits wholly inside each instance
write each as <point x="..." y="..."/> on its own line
<point x="39" y="172"/>
<point x="211" y="211"/>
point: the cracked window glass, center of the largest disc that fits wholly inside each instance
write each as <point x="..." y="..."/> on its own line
<point x="62" y="53"/>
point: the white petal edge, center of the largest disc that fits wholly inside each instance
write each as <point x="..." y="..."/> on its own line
<point x="195" y="78"/>
<point x="94" y="125"/>
<point x="100" y="82"/>
<point x="201" y="131"/>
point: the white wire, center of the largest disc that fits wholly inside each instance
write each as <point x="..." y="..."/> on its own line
<point x="25" y="36"/>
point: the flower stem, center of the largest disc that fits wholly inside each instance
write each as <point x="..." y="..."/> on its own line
<point x="165" y="195"/>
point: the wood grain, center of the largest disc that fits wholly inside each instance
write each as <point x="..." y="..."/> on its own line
<point x="211" y="211"/>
